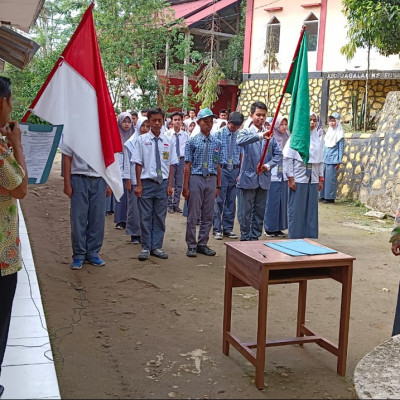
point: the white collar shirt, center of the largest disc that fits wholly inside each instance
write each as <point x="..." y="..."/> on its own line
<point x="144" y="155"/>
<point x="183" y="138"/>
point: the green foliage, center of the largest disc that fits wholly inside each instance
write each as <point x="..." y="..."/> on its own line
<point x="171" y="96"/>
<point x="175" y="99"/>
<point x="210" y="75"/>
<point x="180" y="48"/>
<point x="132" y="37"/>
<point x="26" y="83"/>
<point x="357" y="117"/>
<point x="372" y="23"/>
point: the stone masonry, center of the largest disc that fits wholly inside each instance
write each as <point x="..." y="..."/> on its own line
<point x="339" y="95"/>
<point x="371" y="167"/>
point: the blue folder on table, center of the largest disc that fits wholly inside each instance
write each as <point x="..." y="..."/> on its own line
<point x="299" y="248"/>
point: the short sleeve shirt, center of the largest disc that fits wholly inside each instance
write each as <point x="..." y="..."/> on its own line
<point x="11" y="176"/>
<point x="194" y="153"/>
<point x="144" y="155"/>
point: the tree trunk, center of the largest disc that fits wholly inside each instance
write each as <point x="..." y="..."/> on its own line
<point x="366" y="89"/>
<point x="185" y="76"/>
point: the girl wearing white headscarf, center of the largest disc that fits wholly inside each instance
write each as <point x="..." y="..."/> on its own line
<point x="133" y="215"/>
<point x="275" y="217"/>
<point x="304" y="181"/>
<point x="190" y="128"/>
<point x="218" y="124"/>
<point x="126" y="129"/>
<point x="333" y="154"/>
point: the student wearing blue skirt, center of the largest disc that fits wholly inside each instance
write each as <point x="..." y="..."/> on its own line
<point x="275" y="218"/>
<point x="304" y="181"/>
<point x="333" y="154"/>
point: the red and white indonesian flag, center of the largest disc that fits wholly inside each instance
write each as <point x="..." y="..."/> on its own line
<point x="75" y="95"/>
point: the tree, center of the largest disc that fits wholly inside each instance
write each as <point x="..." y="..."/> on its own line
<point x="211" y="72"/>
<point x="372" y="23"/>
<point x="182" y="59"/>
<point x="132" y="37"/>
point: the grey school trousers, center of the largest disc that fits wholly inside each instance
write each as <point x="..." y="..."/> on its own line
<point x="173" y="201"/>
<point x="153" y="210"/>
<point x="225" y="204"/>
<point x="87" y="216"/>
<point x="201" y="201"/>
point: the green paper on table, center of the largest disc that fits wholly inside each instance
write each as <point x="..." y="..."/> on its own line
<point x="299" y="248"/>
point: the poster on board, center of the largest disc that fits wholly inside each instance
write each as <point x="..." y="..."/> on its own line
<point x="40" y="143"/>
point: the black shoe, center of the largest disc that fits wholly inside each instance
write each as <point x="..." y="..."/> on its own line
<point x="203" y="249"/>
<point x="321" y="199"/>
<point x="1" y="390"/>
<point x="135" y="239"/>
<point x="191" y="252"/>
<point x="279" y="234"/>
<point x="178" y="210"/>
<point x="170" y="210"/>
<point x="270" y="234"/>
<point x="231" y="235"/>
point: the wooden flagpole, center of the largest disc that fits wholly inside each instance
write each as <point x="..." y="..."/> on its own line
<point x="260" y="164"/>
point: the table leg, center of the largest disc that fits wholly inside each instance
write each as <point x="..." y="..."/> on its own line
<point x="347" y="273"/>
<point x="301" y="308"/>
<point x="227" y="310"/>
<point x="261" y="333"/>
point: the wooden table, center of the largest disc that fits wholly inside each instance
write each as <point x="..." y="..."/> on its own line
<point x="257" y="265"/>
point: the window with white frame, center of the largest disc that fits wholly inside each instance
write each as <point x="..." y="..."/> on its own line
<point x="311" y="23"/>
<point x="273" y="36"/>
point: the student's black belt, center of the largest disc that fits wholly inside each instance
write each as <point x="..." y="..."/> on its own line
<point x="152" y="180"/>
<point x="234" y="166"/>
<point x="86" y="176"/>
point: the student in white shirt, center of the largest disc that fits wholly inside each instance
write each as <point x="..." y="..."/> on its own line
<point x="154" y="156"/>
<point x="179" y="138"/>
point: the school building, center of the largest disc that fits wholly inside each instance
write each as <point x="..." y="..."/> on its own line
<point x="272" y="33"/>
<point x="196" y="16"/>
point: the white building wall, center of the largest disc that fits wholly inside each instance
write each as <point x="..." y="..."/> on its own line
<point x="292" y="18"/>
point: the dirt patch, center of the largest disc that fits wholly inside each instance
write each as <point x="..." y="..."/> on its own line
<point x="154" y="329"/>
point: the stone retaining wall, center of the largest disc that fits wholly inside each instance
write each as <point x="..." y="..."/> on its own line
<point x="339" y="95"/>
<point x="257" y="90"/>
<point x="371" y="164"/>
